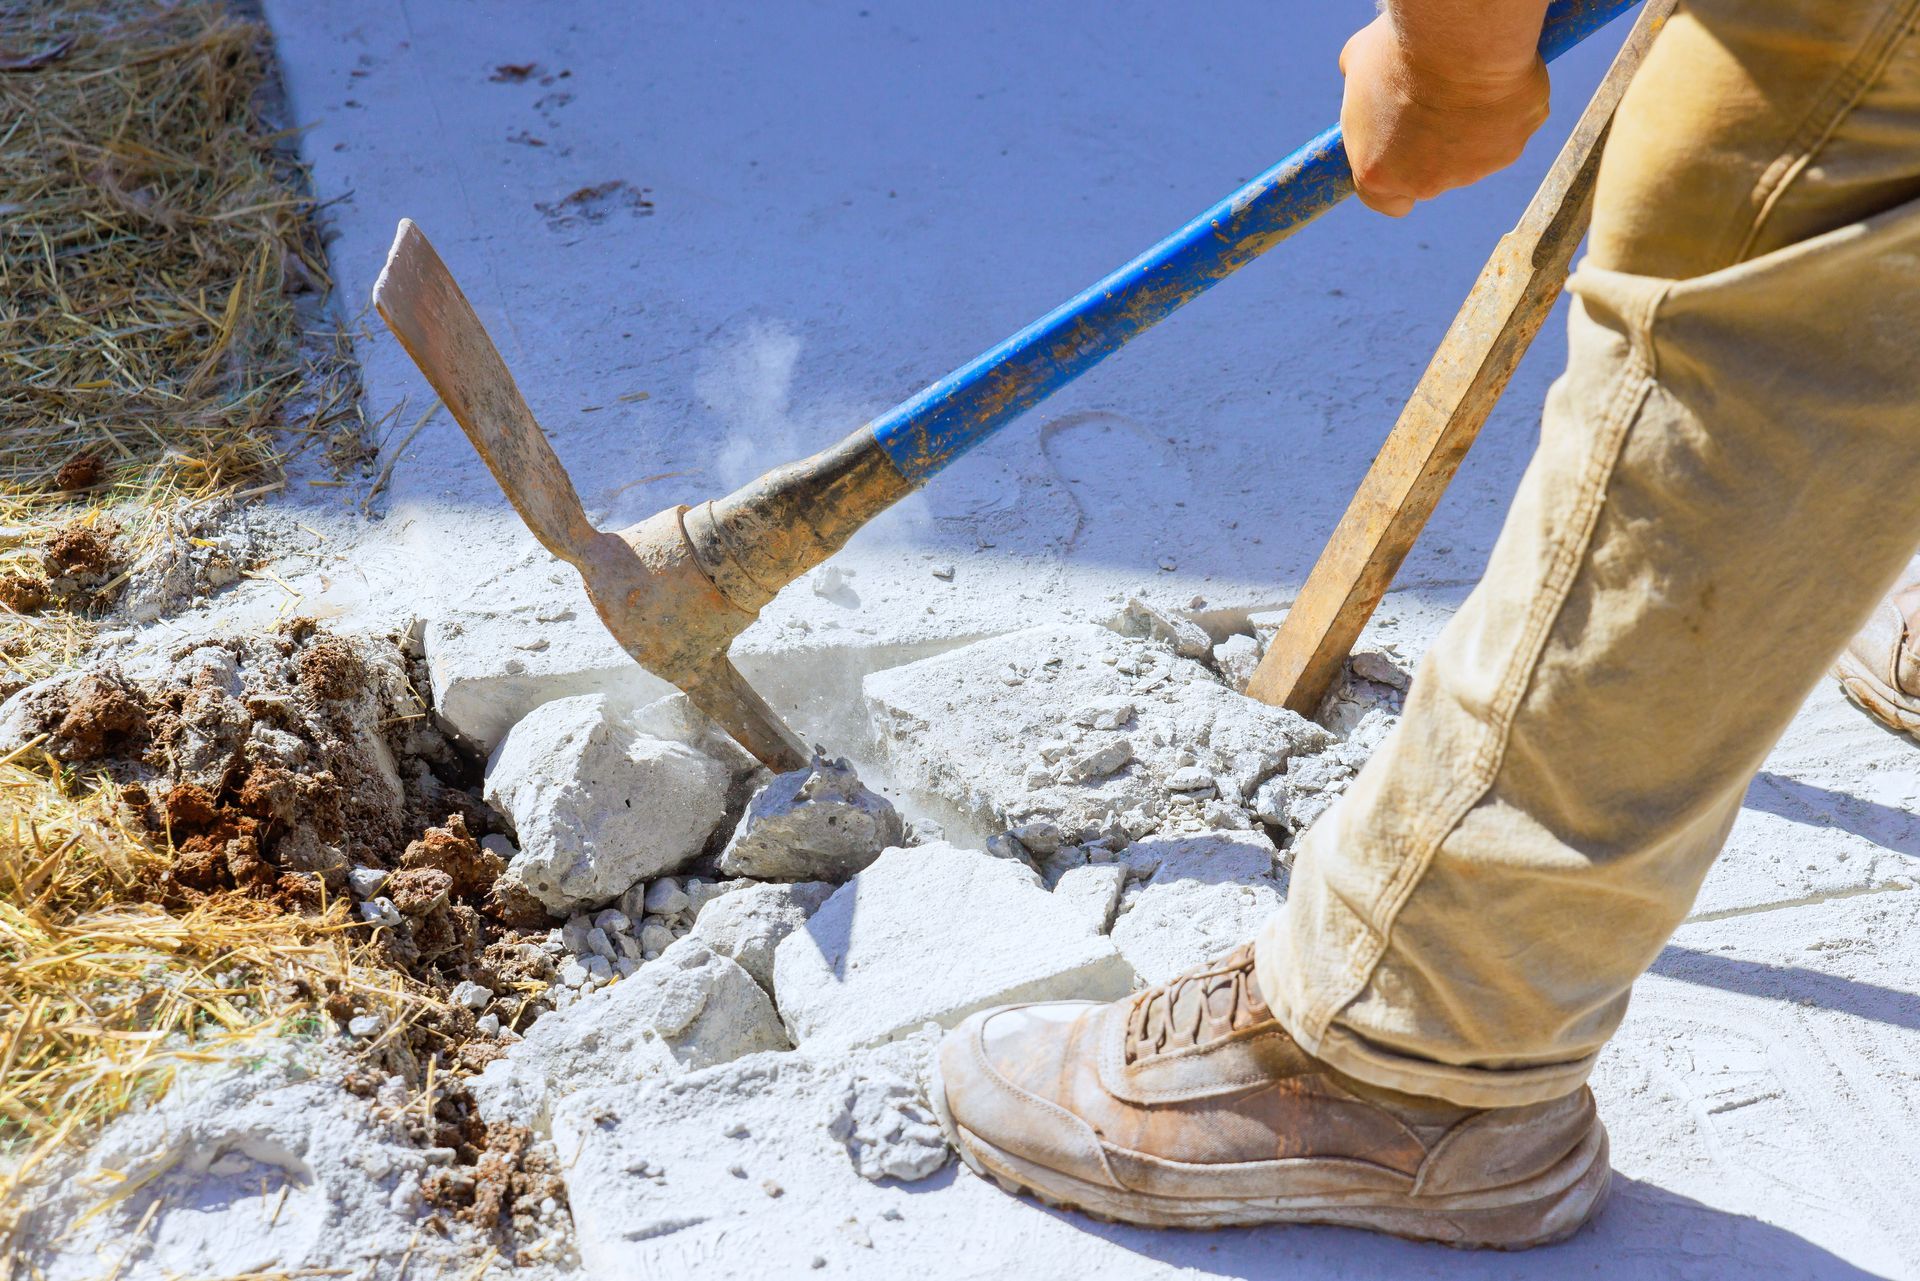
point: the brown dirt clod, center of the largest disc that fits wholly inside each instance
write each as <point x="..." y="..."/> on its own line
<point x="21" y="594"/>
<point x="80" y="551"/>
<point x="452" y="849"/>
<point x="82" y="471"/>
<point x="329" y="669"/>
<point x="105" y="715"/>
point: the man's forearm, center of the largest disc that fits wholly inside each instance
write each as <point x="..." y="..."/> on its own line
<point x="1467" y="44"/>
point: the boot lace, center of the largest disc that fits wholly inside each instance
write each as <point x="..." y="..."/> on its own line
<point x="1197" y="1008"/>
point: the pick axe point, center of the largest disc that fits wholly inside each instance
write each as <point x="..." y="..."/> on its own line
<point x="645" y="582"/>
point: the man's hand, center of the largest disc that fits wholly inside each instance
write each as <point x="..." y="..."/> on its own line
<point x="1422" y="120"/>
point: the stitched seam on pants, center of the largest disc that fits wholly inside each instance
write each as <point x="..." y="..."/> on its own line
<point x="1840" y="100"/>
<point x="1368" y="946"/>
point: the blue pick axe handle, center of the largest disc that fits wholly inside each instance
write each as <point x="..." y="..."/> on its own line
<point x="930" y="430"/>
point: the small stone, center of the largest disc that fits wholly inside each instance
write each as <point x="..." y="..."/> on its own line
<point x="612" y="920"/>
<point x="943" y="572"/>
<point x="829" y="580"/>
<point x="1190" y="778"/>
<point x="471" y="994"/>
<point x="665" y="897"/>
<point x="599" y="944"/>
<point x="487" y="1025"/>
<point x="1039" y="836"/>
<point x="1237" y="658"/>
<point x="737" y="1170"/>
<point x="365" y="1026"/>
<point x="599" y="969"/>
<point x="380" y="911"/>
<point x="771" y="1188"/>
<point x="366" y="881"/>
<point x="811" y="824"/>
<point x="1113" y="712"/>
<point x="656" y="936"/>
<point x="1186" y="637"/>
<point x="1168" y="564"/>
<point x="1371" y="665"/>
<point x="633" y="901"/>
<point x="1098" y="763"/>
<point x="573" y="974"/>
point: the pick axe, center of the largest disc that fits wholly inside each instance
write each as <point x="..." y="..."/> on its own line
<point x="678" y="587"/>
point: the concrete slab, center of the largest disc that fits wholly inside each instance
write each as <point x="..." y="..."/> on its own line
<point x="930" y="934"/>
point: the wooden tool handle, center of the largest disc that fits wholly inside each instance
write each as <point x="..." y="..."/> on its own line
<point x="1449" y="405"/>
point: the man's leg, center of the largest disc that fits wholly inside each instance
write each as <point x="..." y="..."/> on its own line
<point x="1703" y="528"/>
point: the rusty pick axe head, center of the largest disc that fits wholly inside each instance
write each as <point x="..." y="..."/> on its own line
<point x="645" y="582"/>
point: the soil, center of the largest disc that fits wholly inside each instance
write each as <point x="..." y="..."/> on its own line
<point x="80" y="551"/>
<point x="21" y="594"/>
<point x="82" y="471"/>
<point x="272" y="765"/>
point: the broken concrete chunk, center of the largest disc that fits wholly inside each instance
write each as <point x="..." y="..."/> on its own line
<point x="493" y="667"/>
<point x="1200" y="896"/>
<point x="597" y="805"/>
<point x="1237" y="658"/>
<point x="1373" y="665"/>
<point x="934" y="933"/>
<point x="1093" y="890"/>
<point x="1099" y="762"/>
<point x="732" y="1162"/>
<point x="749" y="924"/>
<point x="691" y="1009"/>
<point x="888" y="1126"/>
<point x="1090" y="743"/>
<point x="816" y="823"/>
<point x="1184" y="636"/>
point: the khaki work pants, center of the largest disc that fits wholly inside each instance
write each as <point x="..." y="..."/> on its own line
<point x="1727" y="481"/>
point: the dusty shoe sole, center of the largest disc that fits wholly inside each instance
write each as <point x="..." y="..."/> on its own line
<point x="1870" y="694"/>
<point x="1550" y="1207"/>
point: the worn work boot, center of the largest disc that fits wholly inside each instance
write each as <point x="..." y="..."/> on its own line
<point x="1880" y="671"/>
<point x="1187" y="1105"/>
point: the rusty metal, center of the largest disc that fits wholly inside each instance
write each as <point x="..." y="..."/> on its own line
<point x="645" y="581"/>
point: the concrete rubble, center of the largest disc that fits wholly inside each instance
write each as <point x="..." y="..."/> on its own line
<point x="816" y="823"/>
<point x="748" y="925"/>
<point x="931" y="934"/>
<point x="553" y="777"/>
<point x="1104" y="738"/>
<point x="691" y="1009"/>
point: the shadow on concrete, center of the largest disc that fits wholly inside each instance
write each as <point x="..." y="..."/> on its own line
<point x="1791" y="983"/>
<point x="1789" y="798"/>
<point x="1645" y="1233"/>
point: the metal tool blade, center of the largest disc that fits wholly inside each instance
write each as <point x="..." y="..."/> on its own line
<point x="420" y="302"/>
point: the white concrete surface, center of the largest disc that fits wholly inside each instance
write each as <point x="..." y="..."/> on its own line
<point x="848" y="199"/>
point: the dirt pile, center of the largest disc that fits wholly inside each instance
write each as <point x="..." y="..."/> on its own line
<point x="303" y="768"/>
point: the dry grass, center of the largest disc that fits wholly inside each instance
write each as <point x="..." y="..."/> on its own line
<point x="104" y="995"/>
<point x="155" y="248"/>
<point x="159" y="269"/>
